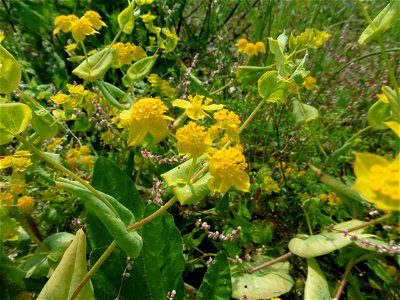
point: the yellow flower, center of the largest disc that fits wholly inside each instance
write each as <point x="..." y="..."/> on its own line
<point x="143" y="2"/>
<point x="26" y="204"/>
<point x="71" y="47"/>
<point x="229" y="122"/>
<point x="87" y="161"/>
<point x="81" y="28"/>
<point x="378" y="180"/>
<point x="382" y="97"/>
<point x="148" y="17"/>
<point x="138" y="53"/>
<point x="94" y="19"/>
<point x="73" y="153"/>
<point x="123" y="119"/>
<point x="241" y="44"/>
<point x="250" y="49"/>
<point x="309" y="82"/>
<point x="64" y="23"/>
<point x="194" y="108"/>
<point x="60" y="98"/>
<point x="260" y="46"/>
<point x="227" y="168"/>
<point x="18" y="188"/>
<point x="147" y="116"/>
<point x="193" y="139"/>
<point x="53" y="146"/>
<point x="6" y="198"/>
<point x="271" y="185"/>
<point x="21" y="163"/>
<point x="84" y="150"/>
<point x="6" y="162"/>
<point x="77" y="90"/>
<point x="107" y="137"/>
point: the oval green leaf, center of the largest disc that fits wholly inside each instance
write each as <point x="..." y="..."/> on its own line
<point x="378" y="113"/>
<point x="96" y="65"/>
<point x="267" y="283"/>
<point x="325" y="242"/>
<point x="69" y="273"/>
<point x="272" y="88"/>
<point x="139" y="70"/>
<point x="126" y="20"/>
<point x="316" y="285"/>
<point x="304" y="113"/>
<point x="10" y="72"/>
<point x="14" y="118"/>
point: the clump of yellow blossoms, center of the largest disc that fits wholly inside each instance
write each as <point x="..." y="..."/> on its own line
<point x="77" y="94"/>
<point x="332" y="199"/>
<point x="147" y="116"/>
<point x="250" y="49"/>
<point x="162" y="84"/>
<point x="6" y="198"/>
<point x="74" y="155"/>
<point x="270" y="185"/>
<point x="193" y="139"/>
<point x="194" y="108"/>
<point x="128" y="52"/>
<point x="309" y="82"/>
<point x="79" y="27"/>
<point x="20" y="161"/>
<point x="311" y="37"/>
<point x="378" y="180"/>
<point x="228" y="122"/>
<point x="227" y="168"/>
<point x="26" y="204"/>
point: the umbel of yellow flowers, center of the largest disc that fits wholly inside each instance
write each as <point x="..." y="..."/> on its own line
<point x="147" y="116"/>
<point x="227" y="168"/>
<point x="378" y="180"/>
<point x="195" y="108"/>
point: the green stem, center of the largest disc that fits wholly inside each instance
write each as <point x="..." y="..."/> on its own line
<point x="153" y="215"/>
<point x="85" y="52"/>
<point x="66" y="171"/>
<point x="370" y="223"/>
<point x="308" y="221"/>
<point x="358" y="133"/>
<point x="222" y="88"/>
<point x="344" y="279"/>
<point x="191" y="170"/>
<point x="269" y="263"/>
<point x="93" y="270"/>
<point x="25" y="225"/>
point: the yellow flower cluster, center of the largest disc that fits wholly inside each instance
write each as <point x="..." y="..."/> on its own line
<point x="20" y="161"/>
<point x="193" y="139"/>
<point x="309" y="38"/>
<point x="26" y="204"/>
<point x="128" y="52"/>
<point x="228" y="122"/>
<point x="6" y="198"/>
<point x="227" y="168"/>
<point x="378" y="180"/>
<point x="332" y="199"/>
<point x="194" y="108"/>
<point x="143" y="2"/>
<point x="77" y="94"/>
<point x="250" y="49"/>
<point x="270" y="185"/>
<point x="147" y="116"/>
<point x="79" y="27"/>
<point x="157" y="82"/>
<point x="309" y="82"/>
<point x="17" y="188"/>
<point x="73" y="156"/>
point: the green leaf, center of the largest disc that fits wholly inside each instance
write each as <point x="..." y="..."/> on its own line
<point x="68" y="274"/>
<point x="272" y="88"/>
<point x="383" y="21"/>
<point x="14" y="118"/>
<point x="108" y="95"/>
<point x="269" y="282"/>
<point x="159" y="268"/>
<point x="42" y="121"/>
<point x="217" y="281"/>
<point x="139" y="70"/>
<point x="378" y="113"/>
<point x="304" y="113"/>
<point x="81" y="124"/>
<point x="278" y="50"/>
<point x="187" y="194"/>
<point x="249" y="74"/>
<point x="130" y="242"/>
<point x="325" y="242"/>
<point x="126" y="19"/>
<point x="110" y="179"/>
<point x="96" y="65"/>
<point x="10" y="72"/>
<point x="316" y="285"/>
<point x="380" y="271"/>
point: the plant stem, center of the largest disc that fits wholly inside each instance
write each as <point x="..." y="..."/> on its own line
<point x="222" y="88"/>
<point x="25" y="225"/>
<point x="358" y="133"/>
<point x="344" y="279"/>
<point x="270" y="263"/>
<point x="66" y="171"/>
<point x="244" y="125"/>
<point x="191" y="170"/>
<point x="153" y="215"/>
<point x="114" y="244"/>
<point x="370" y="223"/>
<point x="95" y="267"/>
<point x="85" y="52"/>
